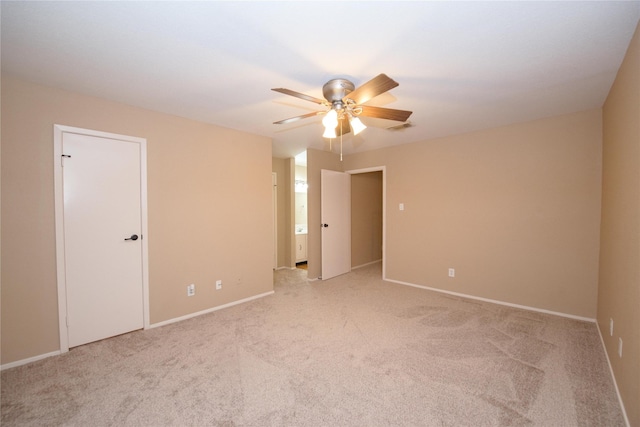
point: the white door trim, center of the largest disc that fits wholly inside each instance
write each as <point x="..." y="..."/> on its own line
<point x="58" y="131"/>
<point x="382" y="169"/>
<point x="274" y="201"/>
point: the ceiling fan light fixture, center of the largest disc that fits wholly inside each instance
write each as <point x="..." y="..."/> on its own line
<point x="345" y="101"/>
<point x="356" y="125"/>
<point x="329" y="133"/>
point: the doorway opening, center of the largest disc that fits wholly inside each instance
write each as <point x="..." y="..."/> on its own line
<point x="300" y="213"/>
<point x="368" y="213"/>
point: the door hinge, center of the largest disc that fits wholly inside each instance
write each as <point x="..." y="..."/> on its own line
<point x="66" y="319"/>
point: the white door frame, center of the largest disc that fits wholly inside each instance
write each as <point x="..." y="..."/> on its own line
<point x="382" y="169"/>
<point x="274" y="197"/>
<point x="58" y="131"/>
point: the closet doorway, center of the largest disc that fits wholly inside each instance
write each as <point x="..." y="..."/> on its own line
<point x="368" y="195"/>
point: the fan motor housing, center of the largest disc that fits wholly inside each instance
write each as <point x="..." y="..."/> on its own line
<point x="336" y="89"/>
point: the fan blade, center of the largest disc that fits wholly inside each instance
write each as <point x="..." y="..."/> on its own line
<point x="300" y="95"/>
<point x="343" y="126"/>
<point x="374" y="87"/>
<point x="304" y="116"/>
<point x="385" y="113"/>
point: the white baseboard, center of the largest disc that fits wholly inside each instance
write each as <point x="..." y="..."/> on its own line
<point x="540" y="310"/>
<point x="155" y="325"/>
<point x="493" y="301"/>
<point x="209" y="310"/>
<point x="29" y="360"/>
<point x="364" y="265"/>
<point x="604" y="348"/>
<point x="352" y="268"/>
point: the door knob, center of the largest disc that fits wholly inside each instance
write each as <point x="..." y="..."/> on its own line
<point x="324" y="225"/>
<point x="133" y="237"/>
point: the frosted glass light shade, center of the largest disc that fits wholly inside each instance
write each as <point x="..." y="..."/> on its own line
<point x="329" y="133"/>
<point x="356" y="125"/>
<point x="330" y="120"/>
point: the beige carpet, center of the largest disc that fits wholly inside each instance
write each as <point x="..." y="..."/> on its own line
<point x="351" y="351"/>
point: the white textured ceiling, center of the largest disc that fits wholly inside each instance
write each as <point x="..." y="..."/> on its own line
<point x="462" y="66"/>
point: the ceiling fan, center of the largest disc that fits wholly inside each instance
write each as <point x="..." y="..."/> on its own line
<point x="345" y="104"/>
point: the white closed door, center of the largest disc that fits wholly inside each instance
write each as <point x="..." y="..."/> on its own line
<point x="335" y="210"/>
<point x="102" y="237"/>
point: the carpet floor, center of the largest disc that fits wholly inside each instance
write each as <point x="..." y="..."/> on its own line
<point x="350" y="351"/>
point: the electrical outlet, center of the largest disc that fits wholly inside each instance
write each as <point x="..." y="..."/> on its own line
<point x="611" y="327"/>
<point x="191" y="290"/>
<point x="452" y="272"/>
<point x="218" y="285"/>
<point x="620" y="347"/>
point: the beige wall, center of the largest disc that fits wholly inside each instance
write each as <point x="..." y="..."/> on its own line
<point x="366" y="218"/>
<point x="209" y="204"/>
<point x="301" y="173"/>
<point x="301" y="197"/>
<point x="286" y="254"/>
<point x="619" y="284"/>
<point x="515" y="210"/>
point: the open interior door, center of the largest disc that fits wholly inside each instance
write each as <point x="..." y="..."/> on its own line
<point x="335" y="209"/>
